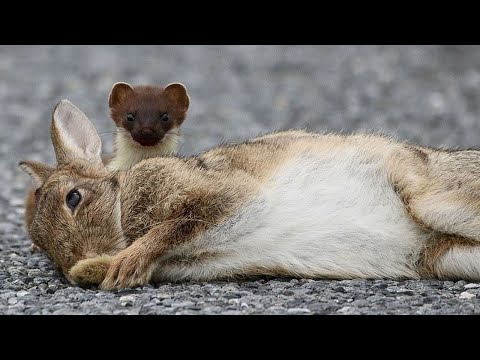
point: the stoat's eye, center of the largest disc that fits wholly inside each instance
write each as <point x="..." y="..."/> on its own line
<point x="130" y="117"/>
<point x="164" y="117"/>
<point x="73" y="198"/>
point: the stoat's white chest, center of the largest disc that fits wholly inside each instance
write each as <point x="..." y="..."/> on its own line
<point x="128" y="153"/>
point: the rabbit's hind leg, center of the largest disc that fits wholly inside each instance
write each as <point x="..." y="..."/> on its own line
<point x="441" y="189"/>
<point x="450" y="257"/>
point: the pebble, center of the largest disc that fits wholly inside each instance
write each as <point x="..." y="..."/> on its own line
<point x="345" y="310"/>
<point x="298" y="311"/>
<point x="471" y="286"/>
<point x="12" y="301"/>
<point x="6" y="295"/>
<point x="234" y="301"/>
<point x="127" y="300"/>
<point x="66" y="311"/>
<point x="42" y="286"/>
<point x="467" y="295"/>
<point x="164" y="296"/>
<point x="34" y="272"/>
<point x="277" y="309"/>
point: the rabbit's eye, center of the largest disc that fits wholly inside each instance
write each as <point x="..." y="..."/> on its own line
<point x="73" y="198"/>
<point x="130" y="117"/>
<point x="164" y="117"/>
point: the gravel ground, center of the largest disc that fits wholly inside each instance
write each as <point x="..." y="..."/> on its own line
<point x="428" y="94"/>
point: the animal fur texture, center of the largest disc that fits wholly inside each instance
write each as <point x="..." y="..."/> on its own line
<point x="292" y="203"/>
<point x="147" y="135"/>
<point x="158" y="113"/>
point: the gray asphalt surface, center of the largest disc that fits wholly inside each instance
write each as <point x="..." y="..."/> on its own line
<point x="428" y="94"/>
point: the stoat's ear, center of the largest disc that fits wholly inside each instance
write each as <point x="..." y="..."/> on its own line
<point x="119" y="91"/>
<point x="177" y="94"/>
<point x="73" y="135"/>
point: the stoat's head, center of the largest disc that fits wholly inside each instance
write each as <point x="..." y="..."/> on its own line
<point x="148" y="113"/>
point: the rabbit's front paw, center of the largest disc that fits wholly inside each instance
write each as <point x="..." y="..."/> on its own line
<point x="91" y="271"/>
<point x="129" y="268"/>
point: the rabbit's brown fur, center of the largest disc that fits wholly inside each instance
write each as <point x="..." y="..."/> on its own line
<point x="153" y="212"/>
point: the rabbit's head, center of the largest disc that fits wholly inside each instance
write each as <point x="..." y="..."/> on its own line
<point x="78" y="207"/>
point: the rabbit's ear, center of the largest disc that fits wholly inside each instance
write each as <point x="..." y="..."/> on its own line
<point x="38" y="172"/>
<point x="73" y="135"/>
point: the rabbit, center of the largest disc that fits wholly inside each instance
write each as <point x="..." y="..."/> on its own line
<point x="293" y="203"/>
<point x="148" y="121"/>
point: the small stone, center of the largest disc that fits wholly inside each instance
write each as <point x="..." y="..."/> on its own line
<point x="42" y="286"/>
<point x="466" y="295"/>
<point x="233" y="312"/>
<point x="12" y="301"/>
<point x="471" y="286"/>
<point x="276" y="309"/>
<point x="66" y="311"/>
<point x="164" y="296"/>
<point x="298" y="311"/>
<point x="306" y="281"/>
<point x="7" y="295"/>
<point x="380" y="286"/>
<point x="127" y="300"/>
<point x="406" y="292"/>
<point x="22" y="293"/>
<point x="34" y="272"/>
<point x="230" y="288"/>
<point x="345" y="310"/>
<point x="183" y="304"/>
<point x="234" y="302"/>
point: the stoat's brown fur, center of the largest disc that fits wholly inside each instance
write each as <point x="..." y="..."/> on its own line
<point x="148" y="120"/>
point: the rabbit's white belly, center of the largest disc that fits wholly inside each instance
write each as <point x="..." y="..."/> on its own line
<point x="334" y="216"/>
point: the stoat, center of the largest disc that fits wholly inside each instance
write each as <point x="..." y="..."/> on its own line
<point x="148" y="120"/>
